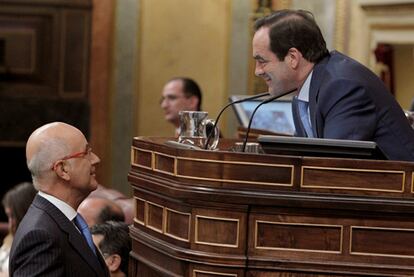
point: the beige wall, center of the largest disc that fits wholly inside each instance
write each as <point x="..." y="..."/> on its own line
<point x="181" y="38"/>
<point x="404" y="74"/>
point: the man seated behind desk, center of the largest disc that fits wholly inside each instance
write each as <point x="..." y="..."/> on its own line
<point x="99" y="210"/>
<point x="114" y="242"/>
<point x="52" y="239"/>
<point x="338" y="98"/>
<point x="180" y="94"/>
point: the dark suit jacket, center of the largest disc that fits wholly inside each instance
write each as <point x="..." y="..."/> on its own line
<point x="348" y="101"/>
<point x="48" y="244"/>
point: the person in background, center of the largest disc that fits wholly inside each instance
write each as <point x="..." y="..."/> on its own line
<point x="15" y="202"/>
<point x="52" y="239"/>
<point x="114" y="242"/>
<point x="338" y="98"/>
<point x="180" y="94"/>
<point x="100" y="210"/>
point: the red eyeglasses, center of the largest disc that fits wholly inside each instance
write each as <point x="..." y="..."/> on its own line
<point x="81" y="154"/>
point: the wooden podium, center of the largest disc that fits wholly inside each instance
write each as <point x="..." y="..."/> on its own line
<point x="220" y="213"/>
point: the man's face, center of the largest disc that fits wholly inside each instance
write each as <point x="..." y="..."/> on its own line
<point x="82" y="167"/>
<point x="277" y="74"/>
<point x="173" y="100"/>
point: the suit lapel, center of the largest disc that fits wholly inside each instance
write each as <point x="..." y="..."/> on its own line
<point x="316" y="82"/>
<point x="74" y="237"/>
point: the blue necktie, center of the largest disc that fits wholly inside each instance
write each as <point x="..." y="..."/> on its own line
<point x="304" y="117"/>
<point x="84" y="229"/>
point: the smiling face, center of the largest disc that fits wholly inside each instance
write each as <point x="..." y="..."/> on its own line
<point x="279" y="75"/>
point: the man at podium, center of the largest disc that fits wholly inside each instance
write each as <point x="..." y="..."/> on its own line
<point x="338" y="97"/>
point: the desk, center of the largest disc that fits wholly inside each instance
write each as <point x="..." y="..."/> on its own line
<point x="219" y="213"/>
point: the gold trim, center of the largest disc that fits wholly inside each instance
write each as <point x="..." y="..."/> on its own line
<point x="189" y="225"/>
<point x="163" y="171"/>
<point x="147" y="203"/>
<point x="218" y="219"/>
<point x="135" y="210"/>
<point x="298" y="249"/>
<point x="163" y="229"/>
<point x="136" y="149"/>
<point x="175" y="169"/>
<point x="239" y="163"/>
<point x="412" y="182"/>
<point x="377" y="254"/>
<point x="195" y="271"/>
<point x="352" y="170"/>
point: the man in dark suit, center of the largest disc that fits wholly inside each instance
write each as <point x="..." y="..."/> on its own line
<point x="338" y="97"/>
<point x="52" y="240"/>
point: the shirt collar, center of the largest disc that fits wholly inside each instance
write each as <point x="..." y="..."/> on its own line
<point x="304" y="90"/>
<point x="67" y="210"/>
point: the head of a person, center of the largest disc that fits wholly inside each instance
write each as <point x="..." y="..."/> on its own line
<point x="16" y="202"/>
<point x="99" y="210"/>
<point x="180" y="94"/>
<point x="61" y="162"/>
<point x="286" y="45"/>
<point x="114" y="242"/>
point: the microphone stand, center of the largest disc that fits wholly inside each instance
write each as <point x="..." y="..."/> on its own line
<point x="254" y="111"/>
<point x="225" y="107"/>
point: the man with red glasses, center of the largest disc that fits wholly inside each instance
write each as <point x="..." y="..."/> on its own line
<point x="52" y="239"/>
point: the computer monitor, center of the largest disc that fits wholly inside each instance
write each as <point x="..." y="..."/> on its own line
<point x="320" y="147"/>
<point x="275" y="116"/>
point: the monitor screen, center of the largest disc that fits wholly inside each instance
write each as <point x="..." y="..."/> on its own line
<point x="275" y="116"/>
<point x="320" y="147"/>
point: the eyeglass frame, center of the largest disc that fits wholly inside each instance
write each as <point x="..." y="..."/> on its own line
<point x="82" y="154"/>
<point x="172" y="98"/>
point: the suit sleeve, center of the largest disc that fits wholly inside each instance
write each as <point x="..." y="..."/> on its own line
<point x="38" y="254"/>
<point x="347" y="110"/>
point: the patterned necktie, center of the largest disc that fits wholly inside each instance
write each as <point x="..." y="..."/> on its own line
<point x="84" y="229"/>
<point x="304" y="117"/>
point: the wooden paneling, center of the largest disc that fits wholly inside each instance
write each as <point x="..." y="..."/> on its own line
<point x="339" y="217"/>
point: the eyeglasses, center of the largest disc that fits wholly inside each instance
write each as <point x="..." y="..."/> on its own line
<point x="76" y="155"/>
<point x="170" y="98"/>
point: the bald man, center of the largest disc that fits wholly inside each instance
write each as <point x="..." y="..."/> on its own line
<point x="51" y="240"/>
<point x="100" y="210"/>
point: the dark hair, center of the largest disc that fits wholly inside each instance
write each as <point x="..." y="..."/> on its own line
<point x="18" y="200"/>
<point x="190" y="88"/>
<point x="108" y="213"/>
<point x="294" y="28"/>
<point x="115" y="240"/>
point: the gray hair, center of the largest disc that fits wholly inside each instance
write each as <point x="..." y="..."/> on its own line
<point x="49" y="151"/>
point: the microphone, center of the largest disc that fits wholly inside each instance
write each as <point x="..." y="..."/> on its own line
<point x="210" y="134"/>
<point x="270" y="99"/>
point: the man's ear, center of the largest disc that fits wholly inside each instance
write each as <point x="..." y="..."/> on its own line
<point x="113" y="262"/>
<point x="61" y="170"/>
<point x="193" y="101"/>
<point x="293" y="57"/>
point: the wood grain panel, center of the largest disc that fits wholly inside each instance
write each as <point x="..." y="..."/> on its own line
<point x="154" y="219"/>
<point x="164" y="163"/>
<point x="217" y="231"/>
<point x="177" y="224"/>
<point x="392" y="242"/>
<point x="142" y="158"/>
<point x="297" y="236"/>
<point x="352" y="179"/>
<point x="140" y="210"/>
